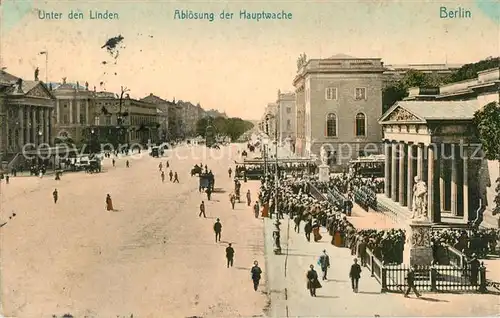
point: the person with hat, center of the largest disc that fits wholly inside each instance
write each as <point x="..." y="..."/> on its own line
<point x="256" y="274"/>
<point x="324" y="262"/>
<point x="354" y="275"/>
<point x="410" y="280"/>
<point x="217" y="230"/>
<point x="229" y="255"/>
<point x="312" y="281"/>
<point x="474" y="269"/>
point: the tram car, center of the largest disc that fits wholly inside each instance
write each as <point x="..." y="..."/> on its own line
<point x="207" y="181"/>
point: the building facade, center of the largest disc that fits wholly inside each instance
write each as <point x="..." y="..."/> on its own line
<point x="74" y="112"/>
<point x="270" y="121"/>
<point x="481" y="174"/>
<point x="338" y="104"/>
<point x="26" y="111"/>
<point x="287" y="116"/>
<point x="163" y="109"/>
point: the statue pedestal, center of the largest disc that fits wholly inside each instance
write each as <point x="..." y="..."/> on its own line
<point x="419" y="243"/>
<point x="324" y="173"/>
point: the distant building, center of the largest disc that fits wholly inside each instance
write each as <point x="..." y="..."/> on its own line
<point x="338" y="104"/>
<point x="163" y="109"/>
<point x="395" y="72"/>
<point x="286" y="115"/>
<point x="215" y="113"/>
<point x="269" y="122"/>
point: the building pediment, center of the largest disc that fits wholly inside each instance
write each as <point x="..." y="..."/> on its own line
<point x="399" y="114"/>
<point x="39" y="91"/>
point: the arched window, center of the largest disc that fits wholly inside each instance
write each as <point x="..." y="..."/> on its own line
<point x="331" y="125"/>
<point x="360" y="124"/>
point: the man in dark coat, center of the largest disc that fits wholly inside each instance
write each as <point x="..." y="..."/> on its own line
<point x="474" y="269"/>
<point x="229" y="255"/>
<point x="308" y="230"/>
<point x="202" y="209"/>
<point x="55" y="195"/>
<point x="217" y="230"/>
<point x="256" y="273"/>
<point x="324" y="262"/>
<point x="354" y="275"/>
<point x="410" y="280"/>
<point x="312" y="281"/>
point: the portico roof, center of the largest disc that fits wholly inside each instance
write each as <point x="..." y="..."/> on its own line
<point x="424" y="111"/>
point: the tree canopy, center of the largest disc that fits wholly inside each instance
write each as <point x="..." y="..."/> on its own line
<point x="487" y="122"/>
<point x="399" y="89"/>
<point x="232" y="127"/>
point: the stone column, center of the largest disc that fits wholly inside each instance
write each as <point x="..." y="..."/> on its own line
<point x="394" y="172"/>
<point x="70" y="111"/>
<point x="402" y="173"/>
<point x="27" y="125"/>
<point x="387" y="169"/>
<point x="411" y="176"/>
<point x="442" y="181"/>
<point x="420" y="161"/>
<point x="20" y="118"/>
<point x="433" y="200"/>
<point x="78" y="109"/>
<point x="46" y="133"/>
<point x="87" y="117"/>
<point x="34" y="125"/>
<point x="466" y="184"/>
<point x="58" y="112"/>
<point x="454" y="180"/>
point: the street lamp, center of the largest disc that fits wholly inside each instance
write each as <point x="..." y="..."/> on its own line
<point x="276" y="232"/>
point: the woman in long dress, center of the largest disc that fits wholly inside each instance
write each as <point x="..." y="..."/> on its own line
<point x="109" y="203"/>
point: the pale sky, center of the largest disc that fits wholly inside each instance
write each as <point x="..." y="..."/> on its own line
<point x="235" y="66"/>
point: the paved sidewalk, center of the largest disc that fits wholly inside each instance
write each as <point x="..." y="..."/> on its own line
<point x="290" y="298"/>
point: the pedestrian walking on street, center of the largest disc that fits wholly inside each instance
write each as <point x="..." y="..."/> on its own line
<point x="324" y="263"/>
<point x="55" y="195"/>
<point x="232" y="199"/>
<point x="312" y="281"/>
<point x="127" y="164"/>
<point x="168" y="164"/>
<point x="308" y="230"/>
<point x="171" y="175"/>
<point x="410" y="280"/>
<point x="202" y="209"/>
<point x="297" y="223"/>
<point x="256" y="274"/>
<point x="229" y="255"/>
<point x="176" y="178"/>
<point x="217" y="230"/>
<point x="249" y="198"/>
<point x="354" y="275"/>
<point x="160" y="166"/>
<point x="113" y="162"/>
<point x="362" y="251"/>
<point x="7" y="179"/>
<point x="109" y="203"/>
<point x="209" y="193"/>
<point x="256" y="209"/>
<point x="474" y="265"/>
<point x="230" y="172"/>
<point x="163" y="176"/>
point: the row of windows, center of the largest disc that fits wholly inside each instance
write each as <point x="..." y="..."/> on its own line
<point x="331" y="93"/>
<point x="359" y="123"/>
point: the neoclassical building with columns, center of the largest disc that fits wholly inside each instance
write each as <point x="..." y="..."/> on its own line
<point x="26" y="114"/>
<point x="74" y="111"/>
<point x="434" y="141"/>
<point x="436" y="127"/>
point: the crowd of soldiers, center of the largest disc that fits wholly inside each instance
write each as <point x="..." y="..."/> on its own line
<point x="295" y="200"/>
<point x="480" y="242"/>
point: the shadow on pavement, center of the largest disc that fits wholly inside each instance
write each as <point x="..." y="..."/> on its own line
<point x="242" y="268"/>
<point x="370" y="293"/>
<point x="301" y="255"/>
<point x="336" y="280"/>
<point x="433" y="299"/>
<point x="325" y="296"/>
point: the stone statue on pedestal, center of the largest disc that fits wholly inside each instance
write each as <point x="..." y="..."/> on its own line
<point x="37" y="71"/>
<point x="324" y="156"/>
<point x="419" y="200"/>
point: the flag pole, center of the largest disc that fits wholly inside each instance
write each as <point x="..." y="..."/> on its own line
<point x="46" y="67"/>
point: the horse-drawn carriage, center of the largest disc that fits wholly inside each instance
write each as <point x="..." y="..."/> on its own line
<point x="237" y="190"/>
<point x="94" y="166"/>
<point x="197" y="170"/>
<point x="207" y="181"/>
